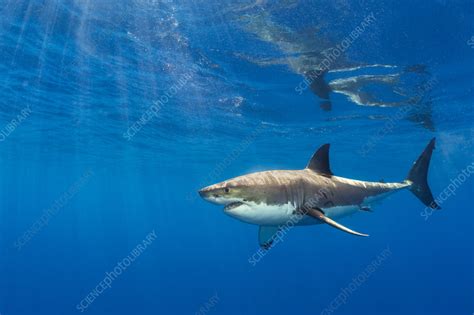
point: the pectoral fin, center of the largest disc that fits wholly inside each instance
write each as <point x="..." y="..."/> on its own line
<point x="319" y="214"/>
<point x="265" y="235"/>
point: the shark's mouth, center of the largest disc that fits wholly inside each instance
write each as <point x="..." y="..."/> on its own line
<point x="233" y="205"/>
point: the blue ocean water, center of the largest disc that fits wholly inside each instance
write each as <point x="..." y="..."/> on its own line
<point x="114" y="113"/>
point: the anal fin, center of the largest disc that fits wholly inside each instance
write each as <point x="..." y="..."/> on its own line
<point x="319" y="214"/>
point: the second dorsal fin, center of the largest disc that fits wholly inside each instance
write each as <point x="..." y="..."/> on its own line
<point x="320" y="161"/>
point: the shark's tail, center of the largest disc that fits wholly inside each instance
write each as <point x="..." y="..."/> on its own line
<point x="318" y="85"/>
<point x="418" y="177"/>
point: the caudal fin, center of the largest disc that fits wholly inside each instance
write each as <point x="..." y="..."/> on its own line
<point x="418" y="177"/>
<point x="318" y="85"/>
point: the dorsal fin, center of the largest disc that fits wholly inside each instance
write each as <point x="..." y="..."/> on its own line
<point x="320" y="161"/>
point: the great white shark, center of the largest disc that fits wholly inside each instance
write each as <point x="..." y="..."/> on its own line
<point x="313" y="195"/>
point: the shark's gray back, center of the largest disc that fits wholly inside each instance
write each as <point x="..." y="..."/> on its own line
<point x="306" y="187"/>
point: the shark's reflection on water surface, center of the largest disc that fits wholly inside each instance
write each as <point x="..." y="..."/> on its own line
<point x="326" y="70"/>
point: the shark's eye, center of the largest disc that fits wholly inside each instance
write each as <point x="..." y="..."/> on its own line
<point x="226" y="190"/>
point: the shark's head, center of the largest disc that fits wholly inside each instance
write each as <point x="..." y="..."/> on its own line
<point x="230" y="193"/>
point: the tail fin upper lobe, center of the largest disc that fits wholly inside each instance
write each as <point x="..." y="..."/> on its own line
<point x="318" y="84"/>
<point x="418" y="176"/>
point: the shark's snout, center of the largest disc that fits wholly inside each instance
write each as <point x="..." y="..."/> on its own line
<point x="217" y="194"/>
<point x="208" y="193"/>
<point x="205" y="192"/>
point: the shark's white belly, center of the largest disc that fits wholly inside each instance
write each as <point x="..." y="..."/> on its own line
<point x="263" y="214"/>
